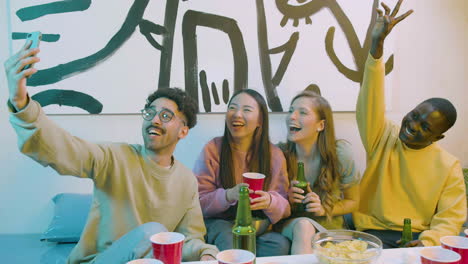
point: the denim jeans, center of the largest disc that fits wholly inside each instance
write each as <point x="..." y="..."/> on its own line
<point x="219" y="233"/>
<point x="389" y="237"/>
<point x="133" y="245"/>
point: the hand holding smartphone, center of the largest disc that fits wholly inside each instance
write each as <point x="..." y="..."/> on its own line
<point x="35" y="37"/>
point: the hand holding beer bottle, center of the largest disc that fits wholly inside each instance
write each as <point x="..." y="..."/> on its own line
<point x="301" y="196"/>
<point x="407" y="234"/>
<point x="298" y="191"/>
<point x="313" y="204"/>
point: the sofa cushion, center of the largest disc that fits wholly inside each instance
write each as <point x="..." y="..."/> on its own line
<point x="70" y="214"/>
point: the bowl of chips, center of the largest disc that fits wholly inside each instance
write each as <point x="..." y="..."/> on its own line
<point x="346" y="247"/>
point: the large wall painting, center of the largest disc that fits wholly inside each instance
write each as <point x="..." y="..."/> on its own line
<point x="105" y="57"/>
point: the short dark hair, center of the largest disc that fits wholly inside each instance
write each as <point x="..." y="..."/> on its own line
<point x="446" y="108"/>
<point x="185" y="104"/>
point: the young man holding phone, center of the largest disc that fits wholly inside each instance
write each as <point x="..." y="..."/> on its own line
<point x="138" y="190"/>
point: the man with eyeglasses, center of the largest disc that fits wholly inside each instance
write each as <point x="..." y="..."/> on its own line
<point x="138" y="190"/>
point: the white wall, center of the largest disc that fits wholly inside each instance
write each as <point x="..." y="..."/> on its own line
<point x="431" y="60"/>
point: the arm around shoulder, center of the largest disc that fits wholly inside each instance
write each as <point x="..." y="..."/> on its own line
<point x="370" y="108"/>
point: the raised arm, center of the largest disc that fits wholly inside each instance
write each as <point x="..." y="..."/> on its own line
<point x="16" y="75"/>
<point x="383" y="26"/>
<point x="38" y="136"/>
<point x="370" y="109"/>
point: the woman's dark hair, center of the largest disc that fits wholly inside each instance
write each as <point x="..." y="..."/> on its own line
<point x="185" y="104"/>
<point x="259" y="155"/>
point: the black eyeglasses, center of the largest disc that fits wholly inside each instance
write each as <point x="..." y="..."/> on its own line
<point x="165" y="115"/>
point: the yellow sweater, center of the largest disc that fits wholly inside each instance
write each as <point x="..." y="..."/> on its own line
<point x="425" y="185"/>
<point x="129" y="188"/>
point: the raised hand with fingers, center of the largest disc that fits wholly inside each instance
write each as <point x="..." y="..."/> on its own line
<point x="295" y="194"/>
<point x="313" y="203"/>
<point x="384" y="25"/>
<point x="16" y="74"/>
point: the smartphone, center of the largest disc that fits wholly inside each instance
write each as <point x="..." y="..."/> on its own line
<point x="36" y="37"/>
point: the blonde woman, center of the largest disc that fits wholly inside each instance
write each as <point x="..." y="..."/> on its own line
<point x="329" y="169"/>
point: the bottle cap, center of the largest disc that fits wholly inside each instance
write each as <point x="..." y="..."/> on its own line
<point x="244" y="189"/>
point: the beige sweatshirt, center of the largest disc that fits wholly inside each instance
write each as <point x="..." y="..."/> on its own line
<point x="129" y="188"/>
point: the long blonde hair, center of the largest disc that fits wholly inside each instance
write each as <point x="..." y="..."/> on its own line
<point x="329" y="178"/>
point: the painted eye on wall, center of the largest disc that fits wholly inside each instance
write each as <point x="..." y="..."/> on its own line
<point x="296" y="10"/>
<point x="298" y="2"/>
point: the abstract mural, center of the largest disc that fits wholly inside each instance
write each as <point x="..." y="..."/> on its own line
<point x="106" y="56"/>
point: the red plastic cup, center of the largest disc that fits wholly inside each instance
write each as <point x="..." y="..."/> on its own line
<point x="167" y="247"/>
<point x="145" y="261"/>
<point x="235" y="256"/>
<point x="458" y="244"/>
<point x="437" y="255"/>
<point x="255" y="182"/>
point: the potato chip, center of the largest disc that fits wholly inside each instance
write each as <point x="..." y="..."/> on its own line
<point x="348" y="251"/>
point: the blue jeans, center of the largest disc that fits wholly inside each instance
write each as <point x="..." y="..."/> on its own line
<point x="389" y="237"/>
<point x="133" y="245"/>
<point x="219" y="233"/>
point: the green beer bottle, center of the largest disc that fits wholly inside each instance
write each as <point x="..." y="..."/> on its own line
<point x="244" y="234"/>
<point x="407" y="234"/>
<point x="299" y="208"/>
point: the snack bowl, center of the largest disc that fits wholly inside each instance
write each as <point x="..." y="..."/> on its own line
<point x="346" y="247"/>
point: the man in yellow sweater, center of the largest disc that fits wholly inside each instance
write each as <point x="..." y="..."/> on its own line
<point x="138" y="190"/>
<point x="408" y="175"/>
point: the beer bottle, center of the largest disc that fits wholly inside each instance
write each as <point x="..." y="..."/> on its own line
<point x="244" y="234"/>
<point x="299" y="208"/>
<point x="407" y="234"/>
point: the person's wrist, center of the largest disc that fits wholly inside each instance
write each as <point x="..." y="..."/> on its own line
<point x="19" y="104"/>
<point x="378" y="39"/>
<point x="228" y="196"/>
<point x="271" y="199"/>
<point x="376" y="51"/>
